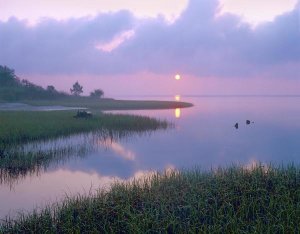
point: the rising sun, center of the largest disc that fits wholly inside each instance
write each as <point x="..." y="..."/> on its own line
<point x="177" y="77"/>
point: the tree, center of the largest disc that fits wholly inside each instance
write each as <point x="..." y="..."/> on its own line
<point x="98" y="93"/>
<point x="77" y="89"/>
<point x="51" y="89"/>
<point x="7" y="76"/>
<point x="27" y="83"/>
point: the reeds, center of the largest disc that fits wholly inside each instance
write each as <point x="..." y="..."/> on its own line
<point x="27" y="150"/>
<point x="231" y="200"/>
<point x="25" y="126"/>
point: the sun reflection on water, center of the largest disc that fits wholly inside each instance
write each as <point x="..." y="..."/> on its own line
<point x="177" y="113"/>
<point x="118" y="148"/>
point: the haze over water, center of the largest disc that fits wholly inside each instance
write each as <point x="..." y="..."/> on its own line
<point x="204" y="136"/>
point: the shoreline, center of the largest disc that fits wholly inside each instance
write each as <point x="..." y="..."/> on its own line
<point x="87" y="103"/>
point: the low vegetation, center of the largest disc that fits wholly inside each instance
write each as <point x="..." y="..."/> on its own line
<point x="109" y="104"/>
<point x="19" y="159"/>
<point x="25" y="126"/>
<point x="232" y="200"/>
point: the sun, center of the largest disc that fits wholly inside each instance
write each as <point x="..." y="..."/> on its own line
<point x="177" y="77"/>
<point x="177" y="97"/>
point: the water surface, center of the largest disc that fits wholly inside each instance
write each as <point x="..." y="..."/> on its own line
<point x="26" y="107"/>
<point x="203" y="136"/>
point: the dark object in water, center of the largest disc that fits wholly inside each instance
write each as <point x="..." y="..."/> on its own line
<point x="248" y="122"/>
<point x="83" y="114"/>
<point x="236" y="125"/>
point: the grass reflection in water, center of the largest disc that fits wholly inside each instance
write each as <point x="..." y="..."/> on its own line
<point x="22" y="155"/>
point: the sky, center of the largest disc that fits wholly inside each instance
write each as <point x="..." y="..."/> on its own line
<point x="137" y="47"/>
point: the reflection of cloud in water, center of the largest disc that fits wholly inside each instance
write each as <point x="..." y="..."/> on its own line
<point x="54" y="186"/>
<point x="118" y="149"/>
<point x="103" y="182"/>
<point x="33" y="159"/>
<point x="48" y="188"/>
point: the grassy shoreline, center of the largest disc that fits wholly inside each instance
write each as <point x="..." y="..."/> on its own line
<point x="228" y="200"/>
<point x="25" y="126"/>
<point x="29" y="157"/>
<point x="110" y="104"/>
<point x="38" y="128"/>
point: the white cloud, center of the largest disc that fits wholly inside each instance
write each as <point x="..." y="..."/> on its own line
<point x="257" y="11"/>
<point x="33" y="10"/>
<point x="115" y="42"/>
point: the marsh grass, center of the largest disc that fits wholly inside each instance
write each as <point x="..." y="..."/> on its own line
<point x="34" y="158"/>
<point x="231" y="200"/>
<point x="24" y="126"/>
<point x="30" y="142"/>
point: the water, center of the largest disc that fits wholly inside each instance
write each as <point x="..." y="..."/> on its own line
<point x="204" y="136"/>
<point x="26" y="107"/>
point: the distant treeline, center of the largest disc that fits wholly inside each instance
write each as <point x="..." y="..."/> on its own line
<point x="12" y="88"/>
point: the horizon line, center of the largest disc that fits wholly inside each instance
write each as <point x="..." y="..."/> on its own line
<point x="210" y="95"/>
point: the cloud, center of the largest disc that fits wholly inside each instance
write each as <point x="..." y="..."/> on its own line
<point x="200" y="42"/>
<point x="257" y="11"/>
<point x="33" y="10"/>
<point x="278" y="41"/>
<point x="55" y="46"/>
<point x="204" y="45"/>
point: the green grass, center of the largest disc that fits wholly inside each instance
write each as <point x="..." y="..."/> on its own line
<point x="24" y="126"/>
<point x="231" y="200"/>
<point x="20" y="127"/>
<point x="110" y="104"/>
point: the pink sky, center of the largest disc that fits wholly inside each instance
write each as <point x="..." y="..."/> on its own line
<point x="218" y="46"/>
<point x="253" y="11"/>
<point x="153" y="84"/>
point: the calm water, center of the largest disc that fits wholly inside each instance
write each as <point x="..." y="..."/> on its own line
<point x="204" y="136"/>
